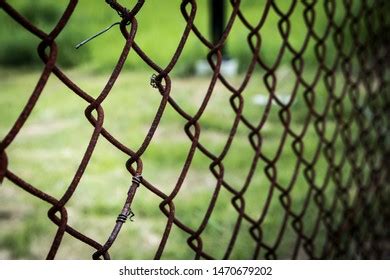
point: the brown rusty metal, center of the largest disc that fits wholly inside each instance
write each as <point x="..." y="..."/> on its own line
<point x="364" y="224"/>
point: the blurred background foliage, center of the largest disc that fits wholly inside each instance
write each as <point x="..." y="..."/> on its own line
<point x="158" y="34"/>
<point x="49" y="147"/>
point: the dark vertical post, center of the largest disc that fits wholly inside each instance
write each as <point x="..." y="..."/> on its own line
<point x="217" y="22"/>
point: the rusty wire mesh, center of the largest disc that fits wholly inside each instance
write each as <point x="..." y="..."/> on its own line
<point x="359" y="230"/>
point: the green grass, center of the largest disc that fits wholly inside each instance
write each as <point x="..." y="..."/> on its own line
<point x="100" y="54"/>
<point x="49" y="148"/>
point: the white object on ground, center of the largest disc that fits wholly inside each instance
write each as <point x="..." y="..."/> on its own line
<point x="262" y="100"/>
<point x="229" y="68"/>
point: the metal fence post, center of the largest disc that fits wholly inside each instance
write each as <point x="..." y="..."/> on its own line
<point x="217" y="20"/>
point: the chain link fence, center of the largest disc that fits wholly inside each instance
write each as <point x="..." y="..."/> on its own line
<point x="351" y="203"/>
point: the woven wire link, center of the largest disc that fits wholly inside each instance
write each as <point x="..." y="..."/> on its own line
<point x="357" y="231"/>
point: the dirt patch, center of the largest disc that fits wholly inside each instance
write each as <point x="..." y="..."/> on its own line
<point x="46" y="128"/>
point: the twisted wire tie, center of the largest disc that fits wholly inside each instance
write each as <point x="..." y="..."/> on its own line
<point x="122" y="218"/>
<point x="153" y="81"/>
<point x="137" y="179"/>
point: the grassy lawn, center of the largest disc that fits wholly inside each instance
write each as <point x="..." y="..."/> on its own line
<point x="48" y="150"/>
<point x="100" y="54"/>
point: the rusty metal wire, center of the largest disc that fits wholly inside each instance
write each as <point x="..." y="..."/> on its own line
<point x="363" y="228"/>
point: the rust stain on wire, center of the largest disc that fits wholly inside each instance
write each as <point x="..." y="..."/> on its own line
<point x="363" y="221"/>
